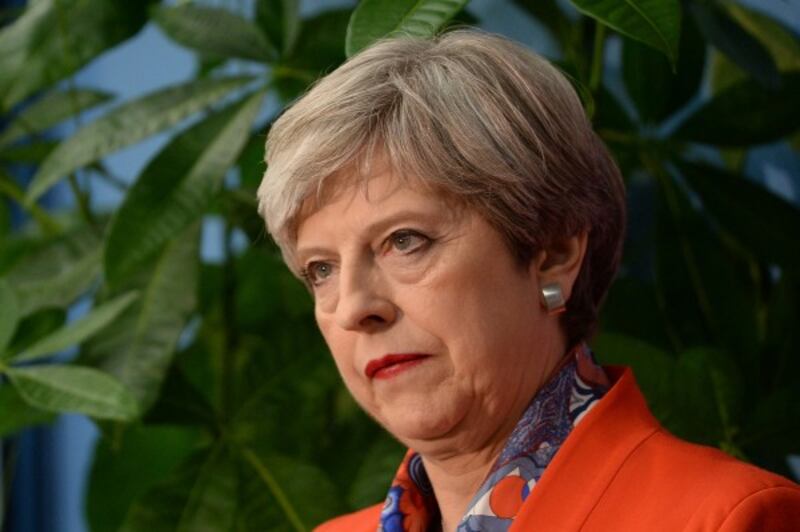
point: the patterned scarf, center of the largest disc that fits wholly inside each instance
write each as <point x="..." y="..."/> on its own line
<point x="555" y="410"/>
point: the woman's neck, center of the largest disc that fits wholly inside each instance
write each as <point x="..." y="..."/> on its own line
<point x="458" y="468"/>
<point x="455" y="481"/>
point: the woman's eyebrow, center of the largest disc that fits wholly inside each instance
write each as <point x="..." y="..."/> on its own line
<point x="379" y="226"/>
<point x="370" y="230"/>
<point x="302" y="253"/>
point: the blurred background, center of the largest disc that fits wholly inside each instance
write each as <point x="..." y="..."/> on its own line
<point x="159" y="367"/>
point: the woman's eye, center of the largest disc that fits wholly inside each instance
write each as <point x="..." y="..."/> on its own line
<point x="407" y="241"/>
<point x="317" y="272"/>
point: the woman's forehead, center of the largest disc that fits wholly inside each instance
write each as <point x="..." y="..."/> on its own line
<point x="381" y="183"/>
<point x="363" y="210"/>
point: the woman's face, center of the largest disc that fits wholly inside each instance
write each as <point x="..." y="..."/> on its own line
<point x="436" y="330"/>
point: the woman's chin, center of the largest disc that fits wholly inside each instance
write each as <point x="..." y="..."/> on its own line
<point x="421" y="424"/>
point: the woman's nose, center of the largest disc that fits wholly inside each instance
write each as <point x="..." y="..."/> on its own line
<point x="364" y="302"/>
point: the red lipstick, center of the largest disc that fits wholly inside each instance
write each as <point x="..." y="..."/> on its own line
<point x="390" y="365"/>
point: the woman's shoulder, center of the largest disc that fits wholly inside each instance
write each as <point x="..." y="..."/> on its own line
<point x="621" y="470"/>
<point x="649" y="450"/>
<point x="683" y="466"/>
<point x="365" y="520"/>
<point x="696" y="487"/>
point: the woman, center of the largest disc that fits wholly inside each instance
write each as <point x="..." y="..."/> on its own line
<point x="458" y="224"/>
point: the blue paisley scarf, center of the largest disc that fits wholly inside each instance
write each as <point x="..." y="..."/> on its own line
<point x="555" y="410"/>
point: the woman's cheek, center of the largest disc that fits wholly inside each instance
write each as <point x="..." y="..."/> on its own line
<point x="355" y="382"/>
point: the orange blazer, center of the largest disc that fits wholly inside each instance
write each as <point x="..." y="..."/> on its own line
<point x="619" y="470"/>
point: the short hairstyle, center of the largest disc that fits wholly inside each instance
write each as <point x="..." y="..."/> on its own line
<point x="476" y="117"/>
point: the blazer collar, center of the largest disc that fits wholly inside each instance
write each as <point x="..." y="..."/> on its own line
<point x="589" y="458"/>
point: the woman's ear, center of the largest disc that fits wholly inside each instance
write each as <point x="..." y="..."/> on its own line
<point x="560" y="262"/>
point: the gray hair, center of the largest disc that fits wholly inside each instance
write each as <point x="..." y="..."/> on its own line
<point x="477" y="118"/>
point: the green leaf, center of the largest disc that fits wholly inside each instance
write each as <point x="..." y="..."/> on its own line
<point x="708" y="396"/>
<point x="17" y="414"/>
<point x="9" y="315"/>
<point x="288" y="482"/>
<point x="283" y="374"/>
<point x="176" y="188"/>
<point x="628" y="292"/>
<point x="54" y="39"/>
<point x="375" y="19"/>
<point x="738" y="45"/>
<point x="771" y="431"/>
<point x="569" y="36"/>
<point x="583" y="90"/>
<point x="201" y="495"/>
<point x="5" y="215"/>
<point x="763" y="222"/>
<point x="207" y="65"/>
<point x="128" y="124"/>
<point x="374" y="477"/>
<point x="58" y="388"/>
<point x="251" y="161"/>
<point x="240" y="208"/>
<point x="53" y="108"/>
<point x="679" y="290"/>
<point x="349" y="432"/>
<point x="782" y="338"/>
<point x="142" y="455"/>
<point x="18" y="38"/>
<point x="781" y="42"/>
<point x="286" y="384"/>
<point x="35" y="326"/>
<point x="214" y="31"/>
<point x="212" y="500"/>
<point x="610" y="114"/>
<point x="260" y="272"/>
<point x="280" y="21"/>
<point x="258" y="510"/>
<point x="9" y="14"/>
<point x="745" y="114"/>
<point x="34" y="152"/>
<point x="15" y="248"/>
<point x="138" y="347"/>
<point x="656" y="23"/>
<point x="699" y="269"/>
<point x="657" y="90"/>
<point x="319" y="49"/>
<point x="778" y="39"/>
<point x="59" y="280"/>
<point x="78" y="331"/>
<point x="550" y="14"/>
<point x="652" y="366"/>
<point x="180" y="402"/>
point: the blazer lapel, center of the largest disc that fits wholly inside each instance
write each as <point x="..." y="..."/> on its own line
<point x="590" y="457"/>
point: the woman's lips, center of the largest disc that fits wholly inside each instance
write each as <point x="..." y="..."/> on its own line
<point x="390" y="365"/>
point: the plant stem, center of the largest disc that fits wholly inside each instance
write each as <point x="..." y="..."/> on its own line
<point x="10" y="189"/>
<point x="690" y="260"/>
<point x="81" y="199"/>
<point x="275" y="488"/>
<point x="229" y="319"/>
<point x="105" y="174"/>
<point x="293" y="73"/>
<point x="596" y="76"/>
<point x="620" y="137"/>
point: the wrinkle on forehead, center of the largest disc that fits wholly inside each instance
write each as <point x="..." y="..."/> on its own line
<point x="352" y="181"/>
